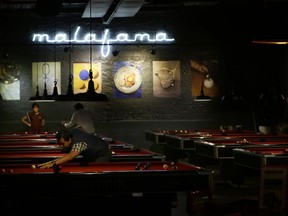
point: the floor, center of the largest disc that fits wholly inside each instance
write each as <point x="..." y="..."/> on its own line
<point x="235" y="190"/>
<point x="228" y="199"/>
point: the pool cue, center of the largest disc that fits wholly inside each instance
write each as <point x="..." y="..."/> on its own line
<point x="254" y="120"/>
<point x="39" y="165"/>
<point x="28" y="117"/>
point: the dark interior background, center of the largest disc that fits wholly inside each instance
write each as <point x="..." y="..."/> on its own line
<point x="224" y="32"/>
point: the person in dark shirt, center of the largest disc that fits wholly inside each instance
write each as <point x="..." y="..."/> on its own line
<point x="78" y="142"/>
<point x="36" y="119"/>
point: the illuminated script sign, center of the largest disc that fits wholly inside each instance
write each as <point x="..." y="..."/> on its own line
<point x="104" y="40"/>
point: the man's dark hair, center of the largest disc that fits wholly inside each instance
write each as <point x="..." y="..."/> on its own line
<point x="35" y="105"/>
<point x="78" y="106"/>
<point x="65" y="134"/>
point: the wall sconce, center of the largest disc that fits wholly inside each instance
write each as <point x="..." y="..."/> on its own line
<point x="153" y="51"/>
<point x="115" y="53"/>
<point x="271" y="96"/>
<point x="232" y="97"/>
<point x="66" y="49"/>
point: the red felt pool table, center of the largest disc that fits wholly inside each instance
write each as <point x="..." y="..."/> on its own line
<point x="187" y="142"/>
<point x="159" y="136"/>
<point x="39" y="156"/>
<point x="28" y="139"/>
<point x="184" y="146"/>
<point x="26" y="135"/>
<point x="224" y="150"/>
<point x="24" y="146"/>
<point x="111" y="188"/>
<point x="256" y="158"/>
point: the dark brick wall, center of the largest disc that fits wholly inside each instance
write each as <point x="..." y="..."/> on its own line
<point x="248" y="68"/>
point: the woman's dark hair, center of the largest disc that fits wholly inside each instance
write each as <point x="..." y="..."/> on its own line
<point x="78" y="106"/>
<point x="65" y="134"/>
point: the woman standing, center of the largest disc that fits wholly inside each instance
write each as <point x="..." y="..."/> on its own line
<point x="36" y="119"/>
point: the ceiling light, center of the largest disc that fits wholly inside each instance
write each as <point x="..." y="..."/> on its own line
<point x="277" y="42"/>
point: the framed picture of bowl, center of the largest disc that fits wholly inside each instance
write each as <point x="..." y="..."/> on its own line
<point x="127" y="79"/>
<point x="166" y="78"/>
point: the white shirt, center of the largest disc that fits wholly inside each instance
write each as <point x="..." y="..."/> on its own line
<point x="82" y="118"/>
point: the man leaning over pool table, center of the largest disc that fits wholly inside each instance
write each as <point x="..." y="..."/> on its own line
<point x="77" y="142"/>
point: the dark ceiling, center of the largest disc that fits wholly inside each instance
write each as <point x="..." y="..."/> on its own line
<point x="78" y="7"/>
<point x="109" y="9"/>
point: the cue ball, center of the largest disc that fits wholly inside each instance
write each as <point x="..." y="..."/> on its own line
<point x="165" y="166"/>
<point x="33" y="166"/>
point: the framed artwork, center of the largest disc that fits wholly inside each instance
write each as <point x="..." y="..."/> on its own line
<point x="205" y="74"/>
<point x="128" y="79"/>
<point x="81" y="77"/>
<point x="9" y="81"/>
<point x="45" y="75"/>
<point x="166" y="78"/>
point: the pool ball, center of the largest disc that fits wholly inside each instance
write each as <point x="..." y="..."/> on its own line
<point x="165" y="166"/>
<point x="147" y="165"/>
<point x="56" y="168"/>
<point x="138" y="166"/>
<point x="174" y="166"/>
<point x="33" y="166"/>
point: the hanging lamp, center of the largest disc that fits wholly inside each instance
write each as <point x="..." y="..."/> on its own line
<point x="90" y="94"/>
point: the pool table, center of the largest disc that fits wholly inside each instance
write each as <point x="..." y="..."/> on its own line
<point x="18" y="146"/>
<point x="33" y="146"/>
<point x="42" y="138"/>
<point x="17" y="136"/>
<point x="184" y="146"/>
<point x="25" y="141"/>
<point x="159" y="136"/>
<point x="224" y="149"/>
<point x="28" y="139"/>
<point x="256" y="158"/>
<point x="110" y="188"/>
<point x="25" y="133"/>
<point x="187" y="142"/>
<point x="47" y="155"/>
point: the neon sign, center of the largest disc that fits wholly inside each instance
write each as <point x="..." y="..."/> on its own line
<point x="105" y="41"/>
